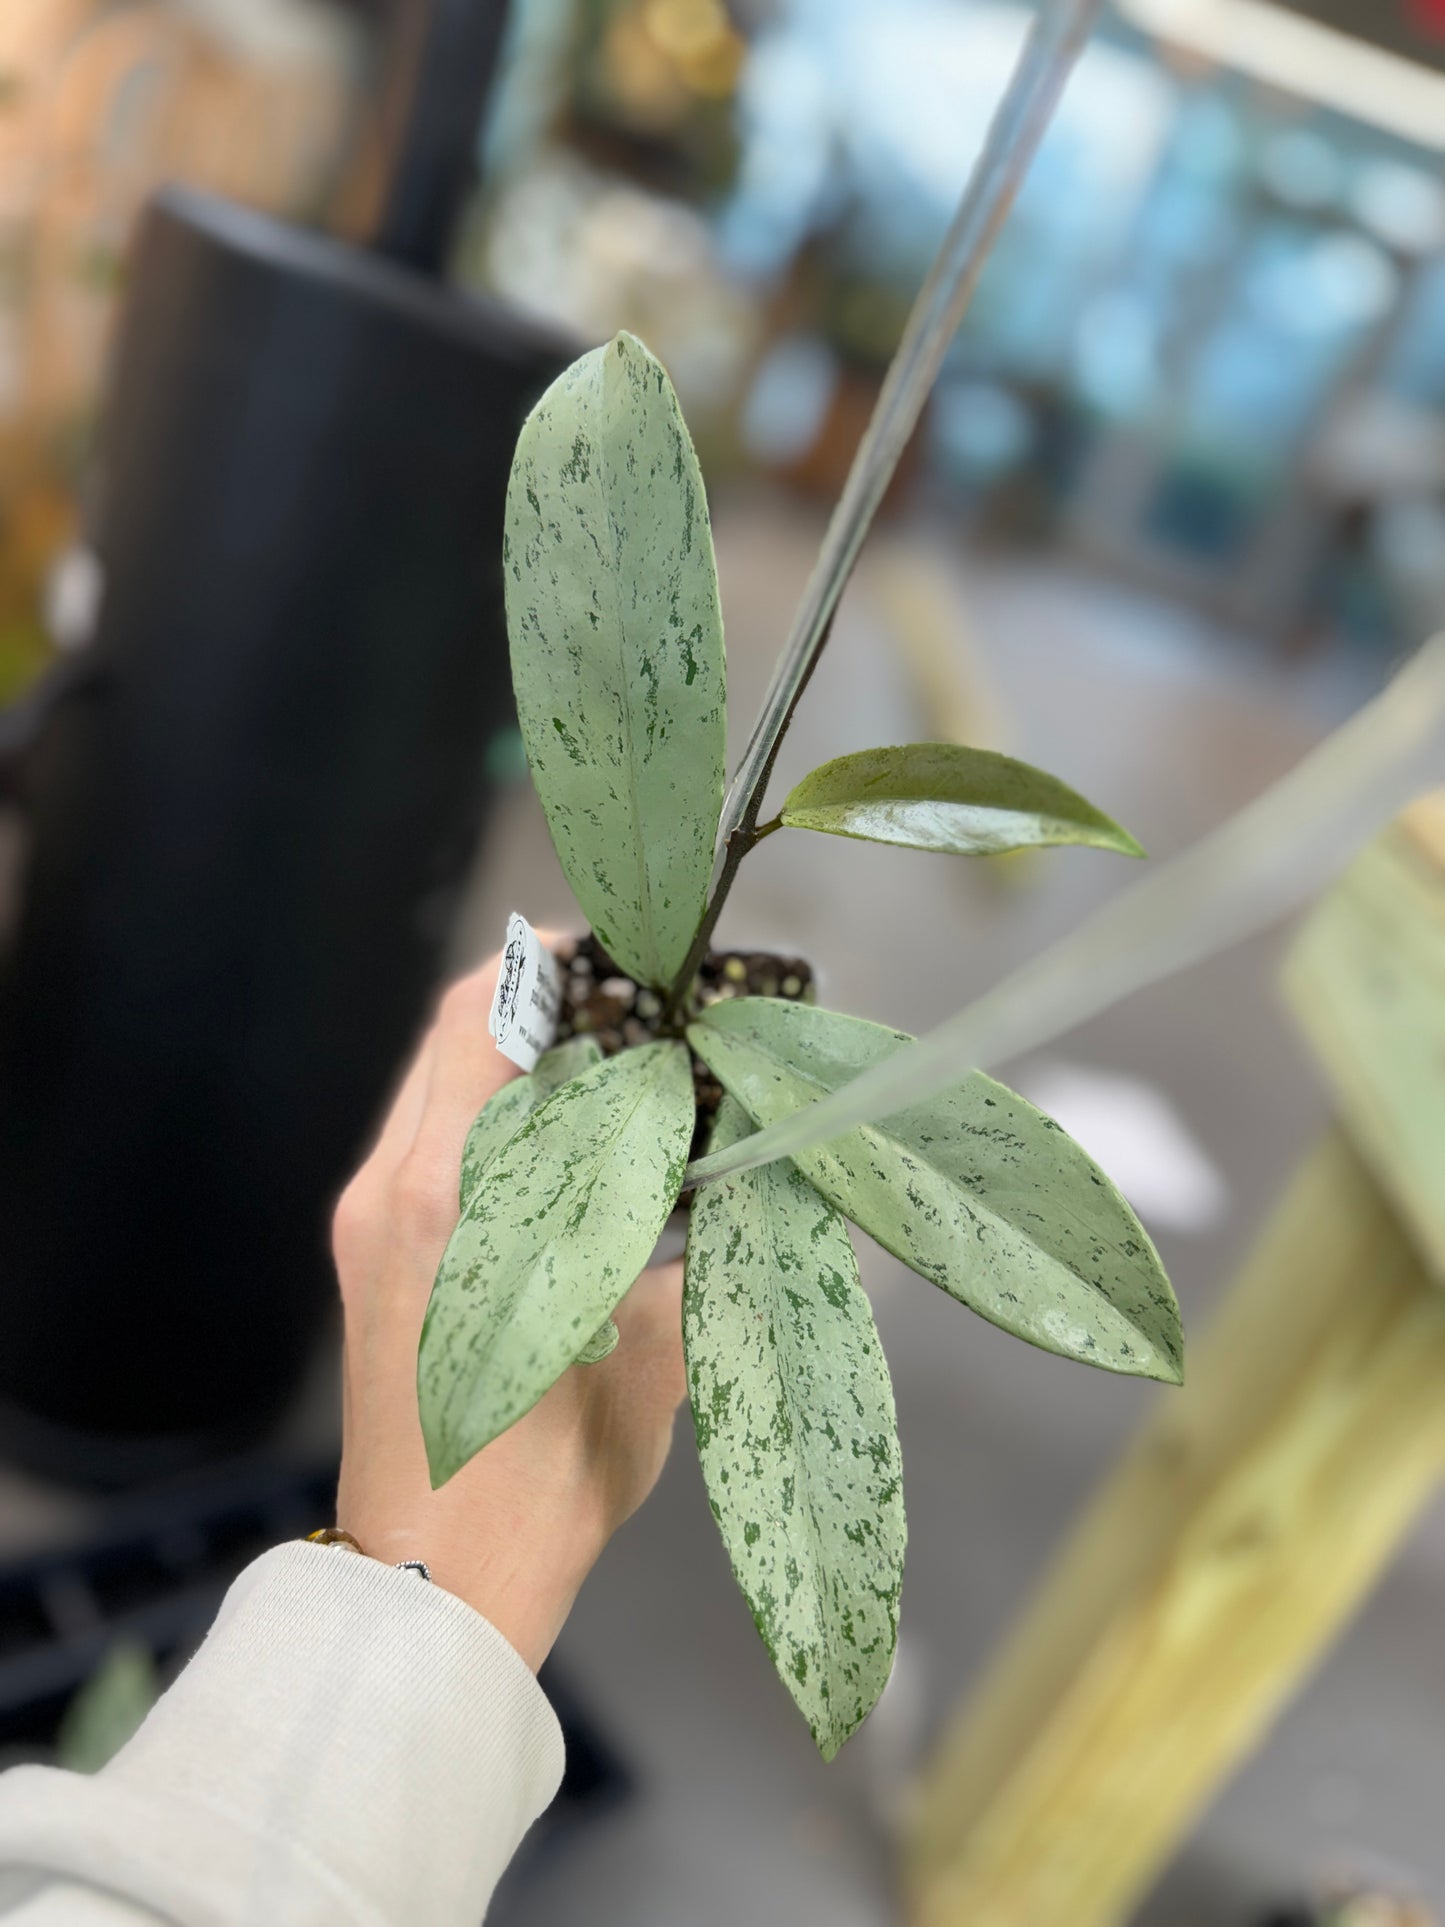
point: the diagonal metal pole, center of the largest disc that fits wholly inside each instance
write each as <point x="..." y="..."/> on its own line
<point x="1053" y="46"/>
<point x="1263" y="862"/>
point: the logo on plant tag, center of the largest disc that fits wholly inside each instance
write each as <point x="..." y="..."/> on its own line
<point x="528" y="996"/>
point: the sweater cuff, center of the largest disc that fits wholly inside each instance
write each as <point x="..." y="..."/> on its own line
<point x="350" y="1744"/>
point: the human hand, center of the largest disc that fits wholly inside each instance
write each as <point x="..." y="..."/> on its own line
<point x="517" y="1530"/>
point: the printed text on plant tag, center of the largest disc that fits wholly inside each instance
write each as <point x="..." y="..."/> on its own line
<point x="528" y="996"/>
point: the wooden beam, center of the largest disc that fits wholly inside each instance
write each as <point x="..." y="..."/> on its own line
<point x="1367" y="981"/>
<point x="1223" y="1556"/>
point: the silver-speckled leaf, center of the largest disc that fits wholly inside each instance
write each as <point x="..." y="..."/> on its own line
<point x="617" y="650"/>
<point x="976" y="1190"/>
<point x="565" y="1061"/>
<point x="507" y="1110"/>
<point x="940" y="796"/>
<point x="504" y="1114"/>
<point x="796" y="1433"/>
<point x="564" y="1218"/>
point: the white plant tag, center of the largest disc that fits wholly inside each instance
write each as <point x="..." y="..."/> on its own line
<point x="528" y="996"/>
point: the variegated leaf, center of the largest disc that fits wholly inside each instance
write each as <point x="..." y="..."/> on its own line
<point x="941" y="796"/>
<point x="507" y="1110"/>
<point x="974" y="1189"/>
<point x="504" y="1114"/>
<point x="617" y="650"/>
<point x="565" y="1216"/>
<point x="796" y="1433"/>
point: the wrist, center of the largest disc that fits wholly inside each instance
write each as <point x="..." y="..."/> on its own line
<point x="527" y="1608"/>
<point x="522" y="1574"/>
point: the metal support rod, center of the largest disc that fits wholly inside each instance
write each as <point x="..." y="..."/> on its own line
<point x="1054" y="44"/>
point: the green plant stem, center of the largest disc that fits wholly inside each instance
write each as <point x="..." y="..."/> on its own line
<point x="748" y="834"/>
<point x="739" y="843"/>
<point x="1057" y="37"/>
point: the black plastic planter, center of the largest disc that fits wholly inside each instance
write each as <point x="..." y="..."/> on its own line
<point x="250" y="814"/>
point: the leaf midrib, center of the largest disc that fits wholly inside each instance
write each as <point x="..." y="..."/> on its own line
<point x="653" y="957"/>
<point x="822" y="1565"/>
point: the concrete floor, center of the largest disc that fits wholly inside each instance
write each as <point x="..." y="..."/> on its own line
<point x="1169" y="726"/>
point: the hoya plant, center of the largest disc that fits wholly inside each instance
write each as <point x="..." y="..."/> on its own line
<point x="677" y="1051"/>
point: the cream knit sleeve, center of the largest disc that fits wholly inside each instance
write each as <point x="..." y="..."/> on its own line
<point x="350" y="1744"/>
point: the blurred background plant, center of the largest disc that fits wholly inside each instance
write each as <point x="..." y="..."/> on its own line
<point x="1208" y="346"/>
<point x="1209" y="351"/>
<point x="108" y="1708"/>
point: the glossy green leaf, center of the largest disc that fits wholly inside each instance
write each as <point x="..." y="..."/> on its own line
<point x="564" y="1217"/>
<point x="617" y="650"/>
<point x="974" y="1189"/>
<point x="939" y="796"/>
<point x="796" y="1434"/>
<point x="507" y="1110"/>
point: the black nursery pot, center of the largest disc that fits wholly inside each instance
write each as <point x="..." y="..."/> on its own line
<point x="599" y="999"/>
<point x="250" y="818"/>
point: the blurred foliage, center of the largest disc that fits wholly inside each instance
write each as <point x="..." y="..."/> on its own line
<point x="108" y="1708"/>
<point x="654" y="88"/>
<point x="100" y="101"/>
